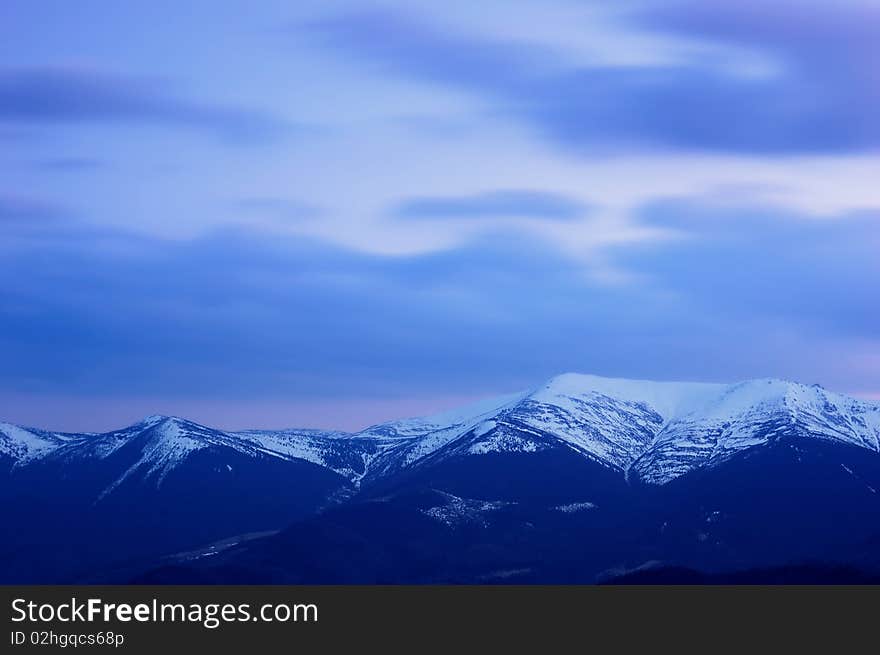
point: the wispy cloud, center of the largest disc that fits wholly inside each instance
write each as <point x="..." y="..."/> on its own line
<point x="823" y="99"/>
<point x="77" y="95"/>
<point x="285" y="209"/>
<point x="242" y="314"/>
<point x="738" y="261"/>
<point x="495" y="204"/>
<point x="500" y="191"/>
<point x="69" y="164"/>
<point x="24" y="209"/>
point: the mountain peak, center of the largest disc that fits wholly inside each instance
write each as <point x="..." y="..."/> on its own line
<point x="155" y="419"/>
<point x="670" y="427"/>
<point x="667" y="398"/>
<point x="23" y="444"/>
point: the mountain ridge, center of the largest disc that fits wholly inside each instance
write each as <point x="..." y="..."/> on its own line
<point x="603" y="473"/>
<point x="657" y="430"/>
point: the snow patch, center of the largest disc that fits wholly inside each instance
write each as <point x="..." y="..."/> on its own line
<point x="23" y="445"/>
<point x="571" y="508"/>
<point x="457" y="511"/>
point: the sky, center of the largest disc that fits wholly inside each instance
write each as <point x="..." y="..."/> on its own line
<point x="334" y="213"/>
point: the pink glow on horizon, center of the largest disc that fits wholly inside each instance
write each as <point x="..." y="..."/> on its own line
<point x="78" y="414"/>
<point x="82" y="414"/>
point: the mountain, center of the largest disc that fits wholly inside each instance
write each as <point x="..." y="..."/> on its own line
<point x="75" y="503"/>
<point x="579" y="479"/>
<point x="18" y="445"/>
<point x="752" y="414"/>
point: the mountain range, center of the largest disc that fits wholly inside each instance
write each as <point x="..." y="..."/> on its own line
<point x="581" y="479"/>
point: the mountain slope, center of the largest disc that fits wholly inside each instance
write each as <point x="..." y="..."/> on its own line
<point x="598" y="474"/>
<point x="160" y="485"/>
<point x="753" y="414"/>
<point x="19" y="445"/>
<point x="656" y="430"/>
<point x="793" y="502"/>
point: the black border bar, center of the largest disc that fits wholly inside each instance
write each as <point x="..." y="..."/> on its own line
<point x="416" y="618"/>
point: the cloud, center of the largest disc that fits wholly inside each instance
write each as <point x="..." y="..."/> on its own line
<point x="70" y="164"/>
<point x="21" y="209"/>
<point x="819" y="101"/>
<point x="242" y="315"/>
<point x="279" y="208"/>
<point x="494" y="204"/>
<point x="736" y="262"/>
<point x="321" y="295"/>
<point x="76" y="95"/>
<point x="809" y="28"/>
<point x="237" y="314"/>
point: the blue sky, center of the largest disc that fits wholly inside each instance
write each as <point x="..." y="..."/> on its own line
<point x="334" y="213"/>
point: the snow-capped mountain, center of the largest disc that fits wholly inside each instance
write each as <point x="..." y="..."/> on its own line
<point x="20" y="445"/>
<point x="156" y="446"/>
<point x="608" y="420"/>
<point x="751" y="414"/>
<point x="78" y="502"/>
<point x="656" y="430"/>
<point x="575" y="449"/>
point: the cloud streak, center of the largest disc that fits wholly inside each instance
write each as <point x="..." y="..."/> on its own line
<point x="26" y="210"/>
<point x="675" y="189"/>
<point x="741" y="261"/>
<point x="819" y="102"/>
<point x="495" y="204"/>
<point x="60" y="95"/>
<point x="241" y="315"/>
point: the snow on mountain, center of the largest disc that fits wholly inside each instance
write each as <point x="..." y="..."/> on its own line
<point x="101" y="446"/>
<point x="459" y="417"/>
<point x="415" y="439"/>
<point x="454" y="511"/>
<point x="22" y="445"/>
<point x="750" y="414"/>
<point x="656" y="430"/>
<point x="612" y="421"/>
<point x="659" y="430"/>
<point x="571" y="508"/>
<point x="666" y="398"/>
<point x="341" y="452"/>
<point x="169" y="441"/>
